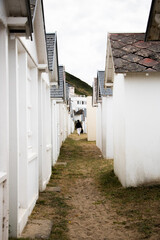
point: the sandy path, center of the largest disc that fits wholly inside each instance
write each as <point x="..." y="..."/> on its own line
<point x="91" y="216"/>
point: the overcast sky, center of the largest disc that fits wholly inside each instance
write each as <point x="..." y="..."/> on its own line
<point x="82" y="27"/>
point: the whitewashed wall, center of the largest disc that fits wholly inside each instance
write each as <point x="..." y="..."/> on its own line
<point x="70" y="124"/>
<point x="119" y="127"/>
<point x="55" y="131"/>
<point x="61" y="122"/>
<point x="65" y="122"/>
<point x="23" y="165"/>
<point x="44" y="132"/>
<point x="107" y="127"/>
<point x="62" y="126"/>
<point x="76" y="102"/>
<point x="4" y="129"/>
<point x="99" y="126"/>
<point x="137" y="131"/>
<point x="91" y="120"/>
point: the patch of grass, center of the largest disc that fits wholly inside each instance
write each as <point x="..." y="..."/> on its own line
<point x="19" y="238"/>
<point x="138" y="205"/>
<point x="59" y="230"/>
<point x="41" y="202"/>
<point x="99" y="202"/>
<point x="81" y="87"/>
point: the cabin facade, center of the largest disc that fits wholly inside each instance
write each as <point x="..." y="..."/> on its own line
<point x="104" y="124"/>
<point x="133" y="66"/>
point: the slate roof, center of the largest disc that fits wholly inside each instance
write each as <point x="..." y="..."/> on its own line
<point x="132" y="54"/>
<point x="50" y="42"/>
<point x="58" y="92"/>
<point x="95" y="89"/>
<point x="100" y="80"/>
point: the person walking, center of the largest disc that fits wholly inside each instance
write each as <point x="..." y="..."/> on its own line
<point x="78" y="127"/>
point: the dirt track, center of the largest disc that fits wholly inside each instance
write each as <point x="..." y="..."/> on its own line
<point x="78" y="208"/>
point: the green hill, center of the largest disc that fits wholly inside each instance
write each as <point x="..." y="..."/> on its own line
<point x="81" y="88"/>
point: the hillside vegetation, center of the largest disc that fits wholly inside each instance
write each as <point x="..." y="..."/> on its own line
<point x="81" y="88"/>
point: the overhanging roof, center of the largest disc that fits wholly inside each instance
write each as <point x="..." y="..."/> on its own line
<point x="132" y="54"/>
<point x="58" y="92"/>
<point x="19" y="17"/>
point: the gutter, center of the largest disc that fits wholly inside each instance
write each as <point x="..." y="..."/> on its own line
<point x="29" y="18"/>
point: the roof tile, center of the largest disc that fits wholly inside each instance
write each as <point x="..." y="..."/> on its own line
<point x="130" y="48"/>
<point x="148" y="62"/>
<point x="50" y="42"/>
<point x="100" y="81"/>
<point x="58" y="92"/>
<point x="119" y="52"/>
<point x="142" y="44"/>
<point x="132" y="57"/>
<point x="144" y="52"/>
<point x="132" y="54"/>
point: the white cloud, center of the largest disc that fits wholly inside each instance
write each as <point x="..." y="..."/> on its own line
<point x="82" y="27"/>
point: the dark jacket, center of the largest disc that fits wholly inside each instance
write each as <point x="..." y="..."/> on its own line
<point x="78" y="125"/>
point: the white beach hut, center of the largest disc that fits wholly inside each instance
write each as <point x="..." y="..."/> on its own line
<point x="28" y="91"/>
<point x="15" y="19"/>
<point x="133" y="67"/>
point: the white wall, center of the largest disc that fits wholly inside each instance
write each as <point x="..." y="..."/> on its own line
<point x="77" y="106"/>
<point x="55" y="131"/>
<point x="99" y="126"/>
<point x="91" y="120"/>
<point x="137" y="151"/>
<point x="4" y="131"/>
<point x="44" y="131"/>
<point x="119" y="127"/>
<point x="107" y="127"/>
<point x="23" y="165"/>
<point x="62" y="126"/>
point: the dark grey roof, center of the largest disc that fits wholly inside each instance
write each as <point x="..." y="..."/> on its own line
<point x="132" y="54"/>
<point x="100" y="80"/>
<point x="50" y="42"/>
<point x="95" y="89"/>
<point x="58" y="92"/>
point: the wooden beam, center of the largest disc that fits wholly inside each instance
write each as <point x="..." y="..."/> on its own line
<point x="17" y="21"/>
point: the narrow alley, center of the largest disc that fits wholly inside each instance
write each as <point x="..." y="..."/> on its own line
<point x="84" y="200"/>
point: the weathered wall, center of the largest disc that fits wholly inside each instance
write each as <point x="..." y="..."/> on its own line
<point x="99" y="126"/>
<point x="136" y="129"/>
<point x="91" y="120"/>
<point x="4" y="129"/>
<point x="107" y="127"/>
<point x="44" y="131"/>
<point x="119" y="127"/>
<point x="142" y="128"/>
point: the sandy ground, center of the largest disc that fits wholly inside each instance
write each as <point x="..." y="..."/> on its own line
<point x="91" y="215"/>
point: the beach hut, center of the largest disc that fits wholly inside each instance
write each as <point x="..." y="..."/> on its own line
<point x="133" y="70"/>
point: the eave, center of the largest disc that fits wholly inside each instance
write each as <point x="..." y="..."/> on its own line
<point x="19" y="19"/>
